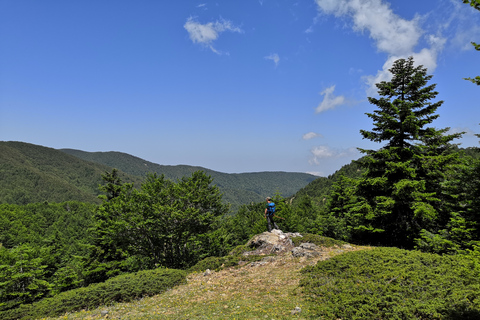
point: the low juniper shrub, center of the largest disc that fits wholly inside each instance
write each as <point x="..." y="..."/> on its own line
<point x="391" y="283"/>
<point x="122" y="288"/>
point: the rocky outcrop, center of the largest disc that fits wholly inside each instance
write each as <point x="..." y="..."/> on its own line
<point x="308" y="250"/>
<point x="278" y="242"/>
<point x="271" y="242"/>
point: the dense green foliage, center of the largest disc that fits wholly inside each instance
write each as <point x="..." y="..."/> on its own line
<point x="62" y="224"/>
<point x="320" y="189"/>
<point x="122" y="288"/>
<point x="163" y="223"/>
<point x="390" y="283"/>
<point x="39" y="244"/>
<point x="403" y="192"/>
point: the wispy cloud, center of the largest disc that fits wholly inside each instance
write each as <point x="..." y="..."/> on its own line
<point x="462" y="24"/>
<point x="467" y="131"/>
<point x="325" y="152"/>
<point x="315" y="173"/>
<point x="311" y="135"/>
<point x="392" y="34"/>
<point x="274" y="57"/>
<point x="206" y="34"/>
<point x="330" y="101"/>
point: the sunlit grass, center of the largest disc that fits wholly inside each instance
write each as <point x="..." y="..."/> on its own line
<point x="263" y="291"/>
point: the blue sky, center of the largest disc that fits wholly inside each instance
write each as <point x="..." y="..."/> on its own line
<point x="233" y="86"/>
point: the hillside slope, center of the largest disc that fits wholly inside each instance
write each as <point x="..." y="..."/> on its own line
<point x="319" y="189"/>
<point x="238" y="188"/>
<point x="32" y="173"/>
<point x="264" y="289"/>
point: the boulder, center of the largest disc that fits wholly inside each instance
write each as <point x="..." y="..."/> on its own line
<point x="271" y="242"/>
<point x="278" y="242"/>
<point x="307" y="250"/>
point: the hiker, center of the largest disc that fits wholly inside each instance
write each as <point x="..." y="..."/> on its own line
<point x="269" y="213"/>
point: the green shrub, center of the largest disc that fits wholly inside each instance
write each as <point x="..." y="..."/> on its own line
<point x="316" y="239"/>
<point x="239" y="250"/>
<point x="212" y="263"/>
<point x="220" y="263"/>
<point x="390" y="283"/>
<point x="122" y="288"/>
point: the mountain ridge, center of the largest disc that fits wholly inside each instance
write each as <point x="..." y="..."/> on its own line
<point x="238" y="188"/>
<point x="34" y="173"/>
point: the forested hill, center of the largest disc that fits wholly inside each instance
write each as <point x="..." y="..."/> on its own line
<point x="32" y="173"/>
<point x="238" y="188"/>
<point x="319" y="189"/>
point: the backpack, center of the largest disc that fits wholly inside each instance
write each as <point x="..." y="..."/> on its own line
<point x="271" y="209"/>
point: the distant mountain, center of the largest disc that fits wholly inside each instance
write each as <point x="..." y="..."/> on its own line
<point x="31" y="173"/>
<point x="238" y="188"/>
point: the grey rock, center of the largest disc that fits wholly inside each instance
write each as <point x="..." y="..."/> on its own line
<point x="208" y="272"/>
<point x="297" y="310"/>
<point x="308" y="246"/>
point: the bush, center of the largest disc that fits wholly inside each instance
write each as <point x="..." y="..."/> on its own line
<point x="390" y="283"/>
<point x="122" y="288"/>
<point x="232" y="260"/>
<point x="316" y="239"/>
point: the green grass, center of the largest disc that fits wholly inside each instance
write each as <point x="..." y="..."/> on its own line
<point x="351" y="283"/>
<point x="268" y="288"/>
<point x="318" y="240"/>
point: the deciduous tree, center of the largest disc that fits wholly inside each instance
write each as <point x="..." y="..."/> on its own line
<point x="164" y="223"/>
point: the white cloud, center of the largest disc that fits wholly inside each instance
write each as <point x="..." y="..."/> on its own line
<point x="316" y="173"/>
<point x="311" y="135"/>
<point x="392" y="34"/>
<point x="201" y="5"/>
<point x="330" y="101"/>
<point x="274" y="57"/>
<point x="426" y="57"/>
<point x="463" y="23"/>
<point x="325" y="152"/>
<point x="468" y="132"/>
<point x="206" y="34"/>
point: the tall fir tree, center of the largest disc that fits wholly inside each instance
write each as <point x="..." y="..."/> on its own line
<point x="401" y="191"/>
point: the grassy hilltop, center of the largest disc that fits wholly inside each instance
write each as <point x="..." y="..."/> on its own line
<point x="344" y="282"/>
